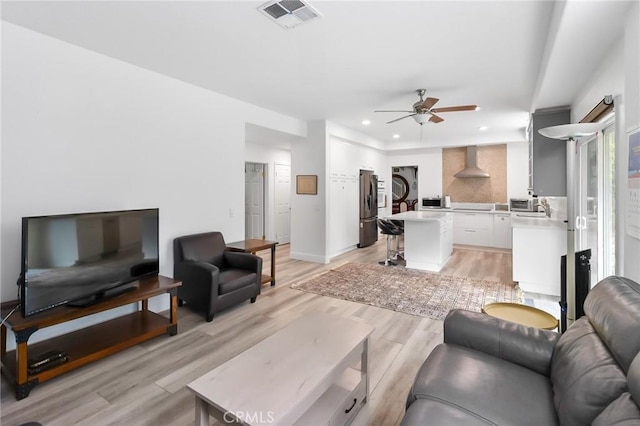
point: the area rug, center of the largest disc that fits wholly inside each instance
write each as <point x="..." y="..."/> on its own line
<point x="410" y="291"/>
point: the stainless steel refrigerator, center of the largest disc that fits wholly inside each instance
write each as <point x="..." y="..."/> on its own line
<point x="368" y="208"/>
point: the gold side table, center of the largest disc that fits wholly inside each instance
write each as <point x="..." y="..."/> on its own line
<point x="521" y="314"/>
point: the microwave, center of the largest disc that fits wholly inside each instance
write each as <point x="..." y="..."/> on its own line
<point x="521" y="204"/>
<point x="432" y="203"/>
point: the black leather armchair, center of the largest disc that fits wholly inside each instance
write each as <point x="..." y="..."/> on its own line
<point x="212" y="278"/>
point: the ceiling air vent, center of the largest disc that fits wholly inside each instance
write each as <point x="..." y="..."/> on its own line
<point x="289" y="13"/>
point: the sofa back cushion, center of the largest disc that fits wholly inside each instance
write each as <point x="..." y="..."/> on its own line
<point x="613" y="308"/>
<point x="207" y="247"/>
<point x="584" y="375"/>
<point x="621" y="412"/>
<point x="591" y="360"/>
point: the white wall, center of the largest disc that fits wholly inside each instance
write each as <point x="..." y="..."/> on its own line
<point x="608" y="79"/>
<point x="517" y="170"/>
<point x="256" y="153"/>
<point x="84" y="132"/>
<point x="309" y="212"/>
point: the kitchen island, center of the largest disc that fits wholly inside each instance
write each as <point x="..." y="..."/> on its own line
<point x="428" y="238"/>
<point x="538" y="245"/>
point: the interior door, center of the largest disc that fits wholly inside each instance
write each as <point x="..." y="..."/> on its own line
<point x="254" y="200"/>
<point x="283" y="202"/>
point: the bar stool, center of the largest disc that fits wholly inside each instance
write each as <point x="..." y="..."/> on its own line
<point x="400" y="238"/>
<point x="392" y="231"/>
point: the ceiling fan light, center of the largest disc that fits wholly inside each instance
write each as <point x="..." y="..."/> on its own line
<point x="421" y="118"/>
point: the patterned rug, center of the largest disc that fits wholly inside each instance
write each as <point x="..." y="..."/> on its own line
<point x="410" y="291"/>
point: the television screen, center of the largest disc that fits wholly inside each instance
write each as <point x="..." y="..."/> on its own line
<point x="67" y="258"/>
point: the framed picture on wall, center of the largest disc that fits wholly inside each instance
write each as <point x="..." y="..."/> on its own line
<point x="307" y="184"/>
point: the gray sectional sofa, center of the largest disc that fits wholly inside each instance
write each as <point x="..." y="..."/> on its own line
<point x="493" y="372"/>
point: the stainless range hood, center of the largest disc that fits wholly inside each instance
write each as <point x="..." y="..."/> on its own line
<point x="471" y="169"/>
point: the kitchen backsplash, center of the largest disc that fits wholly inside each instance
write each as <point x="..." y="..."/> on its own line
<point x="492" y="159"/>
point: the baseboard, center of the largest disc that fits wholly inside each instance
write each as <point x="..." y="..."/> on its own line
<point x="343" y="251"/>
<point x="309" y="257"/>
<point x="482" y="248"/>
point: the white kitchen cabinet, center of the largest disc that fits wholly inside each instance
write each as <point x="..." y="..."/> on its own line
<point x="475" y="229"/>
<point x="343" y="215"/>
<point x="446" y="238"/>
<point x="538" y="245"/>
<point x="502" y="230"/>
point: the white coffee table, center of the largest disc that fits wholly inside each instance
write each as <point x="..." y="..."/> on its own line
<point x="312" y="372"/>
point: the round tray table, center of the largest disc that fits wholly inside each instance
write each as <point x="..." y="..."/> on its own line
<point x="521" y="314"/>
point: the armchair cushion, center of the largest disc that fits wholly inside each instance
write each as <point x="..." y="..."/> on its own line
<point x="208" y="247"/>
<point x="425" y="412"/>
<point x="232" y="279"/>
<point x="506" y="387"/>
<point x="525" y="346"/>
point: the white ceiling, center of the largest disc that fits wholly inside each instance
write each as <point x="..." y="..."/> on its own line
<point x="508" y="57"/>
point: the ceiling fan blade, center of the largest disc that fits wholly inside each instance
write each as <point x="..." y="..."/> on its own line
<point x="428" y="103"/>
<point x="401" y="118"/>
<point x="391" y="110"/>
<point x="435" y="119"/>
<point x="456" y="108"/>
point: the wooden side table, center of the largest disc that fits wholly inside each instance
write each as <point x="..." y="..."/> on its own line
<point x="254" y="245"/>
<point x="521" y="314"/>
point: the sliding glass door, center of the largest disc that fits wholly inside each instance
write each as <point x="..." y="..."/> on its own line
<point x="595" y="221"/>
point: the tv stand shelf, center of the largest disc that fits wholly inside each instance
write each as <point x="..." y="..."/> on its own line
<point x="88" y="344"/>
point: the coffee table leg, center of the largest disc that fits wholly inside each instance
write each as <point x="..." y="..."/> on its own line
<point x="273" y="265"/>
<point x="202" y="413"/>
<point x="364" y="368"/>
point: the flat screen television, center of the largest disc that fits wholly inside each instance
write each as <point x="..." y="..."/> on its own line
<point x="82" y="258"/>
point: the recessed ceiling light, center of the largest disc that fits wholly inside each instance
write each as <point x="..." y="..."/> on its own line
<point x="366" y="122"/>
<point x="477" y="108"/>
<point x="396" y="136"/>
<point x="482" y="128"/>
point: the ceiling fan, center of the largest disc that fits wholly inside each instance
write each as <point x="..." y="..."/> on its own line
<point x="423" y="110"/>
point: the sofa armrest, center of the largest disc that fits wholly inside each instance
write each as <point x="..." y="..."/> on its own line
<point x="247" y="261"/>
<point x="527" y="346"/>
<point x="199" y="281"/>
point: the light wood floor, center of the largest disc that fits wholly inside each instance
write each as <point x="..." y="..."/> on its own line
<point x="145" y="385"/>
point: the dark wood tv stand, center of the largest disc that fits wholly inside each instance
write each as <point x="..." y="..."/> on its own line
<point x="88" y="344"/>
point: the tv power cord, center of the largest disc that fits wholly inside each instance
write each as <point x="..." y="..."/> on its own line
<point x="9" y="314"/>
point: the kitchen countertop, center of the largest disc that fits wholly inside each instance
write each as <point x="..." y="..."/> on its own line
<point x="485" y="208"/>
<point x="421" y="215"/>
<point x="537" y="222"/>
<point x="467" y="210"/>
